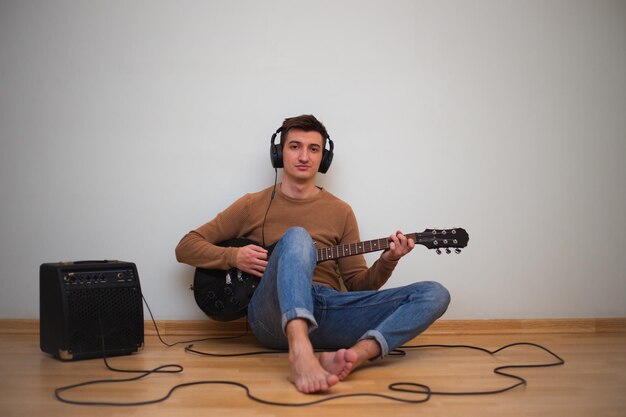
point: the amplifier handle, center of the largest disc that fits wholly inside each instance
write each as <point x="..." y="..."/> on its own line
<point x="104" y="261"/>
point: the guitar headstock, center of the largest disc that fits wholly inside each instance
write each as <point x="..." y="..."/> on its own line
<point x="445" y="239"/>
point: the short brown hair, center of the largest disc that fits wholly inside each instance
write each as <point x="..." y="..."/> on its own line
<point x="306" y="122"/>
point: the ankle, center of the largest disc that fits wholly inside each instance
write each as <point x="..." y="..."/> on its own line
<point x="366" y="349"/>
<point x="297" y="331"/>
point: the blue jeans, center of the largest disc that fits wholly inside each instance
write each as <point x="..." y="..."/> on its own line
<point x="336" y="319"/>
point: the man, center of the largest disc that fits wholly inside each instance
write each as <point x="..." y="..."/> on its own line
<point x="298" y="303"/>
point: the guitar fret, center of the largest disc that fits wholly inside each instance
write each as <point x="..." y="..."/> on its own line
<point x="340" y="251"/>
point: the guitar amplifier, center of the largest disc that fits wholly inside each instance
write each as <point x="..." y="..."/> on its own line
<point x="90" y="308"/>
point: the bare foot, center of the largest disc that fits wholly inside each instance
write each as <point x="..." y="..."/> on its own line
<point x="339" y="363"/>
<point x="308" y="375"/>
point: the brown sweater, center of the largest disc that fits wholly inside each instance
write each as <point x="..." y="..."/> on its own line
<point x="328" y="220"/>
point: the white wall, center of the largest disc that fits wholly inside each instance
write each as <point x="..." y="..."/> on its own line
<point x="124" y="124"/>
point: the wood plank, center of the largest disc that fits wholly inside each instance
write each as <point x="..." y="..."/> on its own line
<point x="441" y="327"/>
<point x="613" y="325"/>
<point x="19" y="326"/>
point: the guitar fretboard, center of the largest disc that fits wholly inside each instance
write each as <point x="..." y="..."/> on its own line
<point x="358" y="248"/>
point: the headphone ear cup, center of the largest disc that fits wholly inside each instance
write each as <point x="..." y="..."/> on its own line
<point x="276" y="152"/>
<point x="276" y="155"/>
<point x="327" y="157"/>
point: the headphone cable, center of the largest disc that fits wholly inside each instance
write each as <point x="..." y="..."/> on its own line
<point x="268" y="206"/>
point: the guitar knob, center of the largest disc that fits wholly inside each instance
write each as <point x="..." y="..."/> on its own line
<point x="438" y="251"/>
<point x="234" y="301"/>
<point x="210" y="294"/>
<point x="228" y="291"/>
<point x="457" y="251"/>
<point x="219" y="305"/>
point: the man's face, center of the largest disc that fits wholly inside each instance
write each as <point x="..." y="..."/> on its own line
<point x="302" y="154"/>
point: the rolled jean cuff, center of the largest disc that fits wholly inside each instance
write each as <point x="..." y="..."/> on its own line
<point x="298" y="313"/>
<point x="378" y="337"/>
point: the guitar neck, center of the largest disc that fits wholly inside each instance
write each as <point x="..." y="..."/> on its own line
<point x="358" y="248"/>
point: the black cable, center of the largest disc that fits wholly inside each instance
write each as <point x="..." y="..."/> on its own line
<point x="188" y="341"/>
<point x="401" y="352"/>
<point x="497" y="370"/>
<point x="423" y="392"/>
<point x="158" y="370"/>
<point x="413" y="388"/>
<point x="268" y="207"/>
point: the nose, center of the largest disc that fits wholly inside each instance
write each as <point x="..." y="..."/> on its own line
<point x="303" y="155"/>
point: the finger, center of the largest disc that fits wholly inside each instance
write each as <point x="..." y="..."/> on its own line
<point x="257" y="248"/>
<point x="258" y="269"/>
<point x="255" y="273"/>
<point x="253" y="255"/>
<point x="408" y="244"/>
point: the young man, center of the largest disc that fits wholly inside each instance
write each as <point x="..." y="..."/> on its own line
<point x="298" y="303"/>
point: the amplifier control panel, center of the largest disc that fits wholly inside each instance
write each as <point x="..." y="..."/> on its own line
<point x="99" y="277"/>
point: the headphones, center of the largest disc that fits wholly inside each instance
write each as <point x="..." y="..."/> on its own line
<point x="276" y="153"/>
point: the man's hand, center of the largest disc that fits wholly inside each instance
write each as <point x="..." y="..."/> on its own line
<point x="252" y="259"/>
<point x="398" y="247"/>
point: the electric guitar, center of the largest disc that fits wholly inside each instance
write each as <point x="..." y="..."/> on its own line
<point x="224" y="295"/>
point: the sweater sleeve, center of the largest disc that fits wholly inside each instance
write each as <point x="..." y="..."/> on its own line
<point x="354" y="271"/>
<point x="198" y="248"/>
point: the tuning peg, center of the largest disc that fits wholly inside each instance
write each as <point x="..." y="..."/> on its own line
<point x="457" y="251"/>
<point x="438" y="251"/>
<point x="448" y="251"/>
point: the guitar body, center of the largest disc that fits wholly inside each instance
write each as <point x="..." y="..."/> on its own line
<point x="225" y="295"/>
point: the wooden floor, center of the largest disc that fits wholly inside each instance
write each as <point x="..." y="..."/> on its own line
<point x="591" y="383"/>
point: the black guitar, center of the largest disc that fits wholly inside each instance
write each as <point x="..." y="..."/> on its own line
<point x="224" y="295"/>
